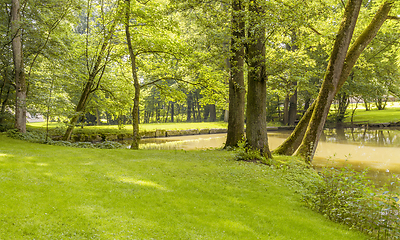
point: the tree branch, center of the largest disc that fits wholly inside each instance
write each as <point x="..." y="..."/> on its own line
<point x="393" y="18"/>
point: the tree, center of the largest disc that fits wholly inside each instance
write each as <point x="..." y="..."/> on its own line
<point x="236" y="80"/>
<point x="19" y="74"/>
<point x="291" y="144"/>
<point x="97" y="63"/>
<point x="256" y="127"/>
<point x="157" y="47"/>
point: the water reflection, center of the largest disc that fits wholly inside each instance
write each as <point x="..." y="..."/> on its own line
<point x="370" y="137"/>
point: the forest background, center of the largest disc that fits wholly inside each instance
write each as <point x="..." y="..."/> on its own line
<point x="172" y="61"/>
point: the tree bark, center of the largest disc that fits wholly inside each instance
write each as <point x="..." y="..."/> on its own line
<point x="293" y="108"/>
<point x="213" y="113"/>
<point x="135" y="109"/>
<point x="189" y="102"/>
<point x="331" y="81"/>
<point x="19" y="77"/>
<point x="286" y="110"/>
<point x="237" y="90"/>
<point x="7" y="95"/>
<point x="292" y="143"/>
<point x="172" y="111"/>
<point x="256" y="128"/>
<point x="3" y="106"/>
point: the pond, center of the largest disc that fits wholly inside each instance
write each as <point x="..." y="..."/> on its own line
<point x="376" y="149"/>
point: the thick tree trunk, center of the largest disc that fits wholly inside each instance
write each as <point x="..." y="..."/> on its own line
<point x="237" y="90"/>
<point x="135" y="110"/>
<point x="290" y="145"/>
<point x="19" y="77"/>
<point x="331" y="81"/>
<point x="256" y="128"/>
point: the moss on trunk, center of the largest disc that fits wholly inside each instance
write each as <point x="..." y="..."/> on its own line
<point x="237" y="90"/>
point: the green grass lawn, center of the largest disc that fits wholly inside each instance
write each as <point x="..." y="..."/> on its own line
<point x="51" y="192"/>
<point x="390" y="114"/>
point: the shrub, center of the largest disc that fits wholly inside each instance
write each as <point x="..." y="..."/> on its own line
<point x="7" y="122"/>
<point x="40" y="137"/>
<point x="246" y="153"/>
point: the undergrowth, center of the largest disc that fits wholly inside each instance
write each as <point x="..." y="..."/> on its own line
<point x="350" y="197"/>
<point x="40" y="137"/>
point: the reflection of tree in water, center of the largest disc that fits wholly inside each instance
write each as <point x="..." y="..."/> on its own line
<point x="376" y="137"/>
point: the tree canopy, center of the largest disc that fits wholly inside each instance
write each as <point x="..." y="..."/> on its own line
<point x="131" y="61"/>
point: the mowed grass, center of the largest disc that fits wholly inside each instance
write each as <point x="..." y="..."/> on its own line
<point x="51" y="192"/>
<point x="389" y="115"/>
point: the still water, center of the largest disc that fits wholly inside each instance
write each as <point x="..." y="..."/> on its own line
<point x="376" y="149"/>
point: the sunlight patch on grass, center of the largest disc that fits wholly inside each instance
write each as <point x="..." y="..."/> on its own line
<point x="141" y="183"/>
<point x="235" y="226"/>
<point x="4" y="155"/>
<point x="42" y="164"/>
<point x="87" y="164"/>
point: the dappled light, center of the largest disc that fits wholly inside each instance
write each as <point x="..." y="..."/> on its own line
<point x="141" y="183"/>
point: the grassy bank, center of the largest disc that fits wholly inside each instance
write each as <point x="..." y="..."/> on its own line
<point x="391" y="114"/>
<point x="128" y="128"/>
<point x="50" y="192"/>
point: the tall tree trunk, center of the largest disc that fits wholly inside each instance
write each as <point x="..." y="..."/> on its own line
<point x="256" y="129"/>
<point x="331" y="81"/>
<point x="3" y="105"/>
<point x="206" y="113"/>
<point x="172" y="111"/>
<point x="79" y="110"/>
<point x="7" y="95"/>
<point x="213" y="113"/>
<point x="290" y="145"/>
<point x="135" y="109"/>
<point x="166" y="112"/>
<point x="293" y="108"/>
<point x="189" y="102"/>
<point x="98" y="121"/>
<point x="19" y="77"/>
<point x="237" y="90"/>
<point x="286" y="110"/>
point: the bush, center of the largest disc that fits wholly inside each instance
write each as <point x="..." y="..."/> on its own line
<point x="351" y="198"/>
<point x="246" y="153"/>
<point x="40" y="137"/>
<point x="7" y="122"/>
